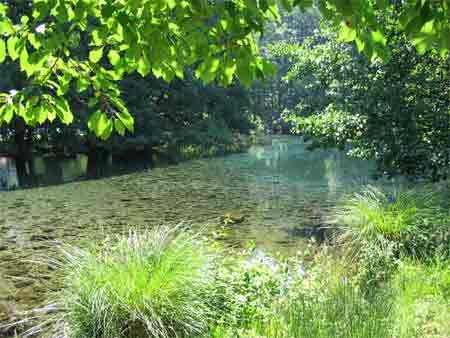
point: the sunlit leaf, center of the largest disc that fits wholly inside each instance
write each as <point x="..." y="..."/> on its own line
<point x="2" y="51"/>
<point x="96" y="55"/>
<point x="12" y="44"/>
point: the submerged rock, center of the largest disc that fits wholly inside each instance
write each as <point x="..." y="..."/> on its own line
<point x="232" y="218"/>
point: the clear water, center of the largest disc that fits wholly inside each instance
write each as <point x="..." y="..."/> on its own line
<point x="283" y="190"/>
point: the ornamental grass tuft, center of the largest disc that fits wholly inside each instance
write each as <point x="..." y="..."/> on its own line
<point x="157" y="283"/>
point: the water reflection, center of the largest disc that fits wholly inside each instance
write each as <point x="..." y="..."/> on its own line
<point x="46" y="170"/>
<point x="8" y="174"/>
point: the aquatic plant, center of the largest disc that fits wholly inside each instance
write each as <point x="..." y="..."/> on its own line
<point x="156" y="283"/>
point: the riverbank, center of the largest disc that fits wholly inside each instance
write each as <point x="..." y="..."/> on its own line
<point x="239" y="143"/>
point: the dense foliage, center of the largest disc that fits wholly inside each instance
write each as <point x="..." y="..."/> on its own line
<point x="381" y="227"/>
<point x="397" y="111"/>
<point x="375" y="81"/>
<point x="90" y="45"/>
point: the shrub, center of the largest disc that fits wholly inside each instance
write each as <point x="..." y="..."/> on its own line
<point x="157" y="283"/>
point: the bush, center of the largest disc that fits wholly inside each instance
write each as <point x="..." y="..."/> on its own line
<point x="157" y="283"/>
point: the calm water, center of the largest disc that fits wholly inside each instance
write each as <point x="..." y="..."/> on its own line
<point x="283" y="190"/>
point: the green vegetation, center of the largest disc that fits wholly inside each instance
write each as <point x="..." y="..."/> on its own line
<point x="395" y="112"/>
<point x="382" y="227"/>
<point x="155" y="283"/>
<point x="368" y="76"/>
<point x="91" y="45"/>
<point x="423" y="299"/>
<point x="191" y="77"/>
<point x="172" y="283"/>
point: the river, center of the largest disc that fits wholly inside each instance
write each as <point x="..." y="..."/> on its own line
<point x="283" y="190"/>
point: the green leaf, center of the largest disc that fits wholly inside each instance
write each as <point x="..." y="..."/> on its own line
<point x="108" y="130"/>
<point x="102" y="126"/>
<point x="93" y="119"/>
<point x="82" y="84"/>
<point x="245" y="71"/>
<point x="119" y="127"/>
<point x="143" y="66"/>
<point x="2" y="51"/>
<point x="63" y="111"/>
<point x="428" y="28"/>
<point x="12" y="45"/>
<point x="171" y="3"/>
<point x="24" y="62"/>
<point x="347" y="33"/>
<point x="423" y="42"/>
<point x="127" y="120"/>
<point x="157" y="71"/>
<point x="114" y="57"/>
<point x="41" y="114"/>
<point x="8" y="113"/>
<point x="379" y="38"/>
<point x="359" y="44"/>
<point x="208" y="69"/>
<point x="34" y="41"/>
<point x="96" y="55"/>
<point x="6" y="28"/>
<point x="24" y="19"/>
<point x="228" y="73"/>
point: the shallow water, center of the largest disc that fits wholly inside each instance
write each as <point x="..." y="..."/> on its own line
<point x="283" y="190"/>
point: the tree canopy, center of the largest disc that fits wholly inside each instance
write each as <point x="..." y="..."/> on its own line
<point x="395" y="112"/>
<point x="90" y="45"/>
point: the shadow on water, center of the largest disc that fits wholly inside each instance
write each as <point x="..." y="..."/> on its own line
<point x="283" y="191"/>
<point x="16" y="173"/>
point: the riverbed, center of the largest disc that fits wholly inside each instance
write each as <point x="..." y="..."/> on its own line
<point x="283" y="192"/>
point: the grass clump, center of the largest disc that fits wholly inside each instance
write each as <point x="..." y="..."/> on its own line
<point x="158" y="283"/>
<point x="382" y="227"/>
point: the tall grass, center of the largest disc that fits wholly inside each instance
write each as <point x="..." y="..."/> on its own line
<point x="380" y="227"/>
<point x="157" y="283"/>
<point x="341" y="311"/>
<point x="423" y="299"/>
<point x="376" y="213"/>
